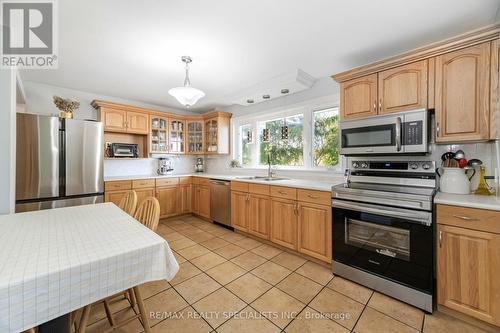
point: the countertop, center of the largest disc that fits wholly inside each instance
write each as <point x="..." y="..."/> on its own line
<point x="298" y="183"/>
<point x="489" y="202"/>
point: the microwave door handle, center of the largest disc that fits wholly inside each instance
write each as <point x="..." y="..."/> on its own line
<point x="398" y="133"/>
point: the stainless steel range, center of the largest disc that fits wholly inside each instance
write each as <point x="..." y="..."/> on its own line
<point x="383" y="228"/>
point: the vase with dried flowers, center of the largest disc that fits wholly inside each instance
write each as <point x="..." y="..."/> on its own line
<point x="66" y="106"/>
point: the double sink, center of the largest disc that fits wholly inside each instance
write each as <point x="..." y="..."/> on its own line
<point x="264" y="178"/>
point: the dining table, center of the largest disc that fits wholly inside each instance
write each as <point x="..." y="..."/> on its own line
<point x="55" y="261"/>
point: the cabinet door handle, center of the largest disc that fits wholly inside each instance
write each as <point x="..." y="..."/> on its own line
<point x="282" y="192"/>
<point x="312" y="196"/>
<point x="380" y="105"/>
<point x="465" y="218"/>
<point x="440" y="238"/>
<point x="375" y="106"/>
<point x="437" y="128"/>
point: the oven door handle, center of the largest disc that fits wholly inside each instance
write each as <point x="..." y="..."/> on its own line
<point x="414" y="216"/>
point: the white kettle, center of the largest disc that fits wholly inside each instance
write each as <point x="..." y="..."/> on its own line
<point x="454" y="180"/>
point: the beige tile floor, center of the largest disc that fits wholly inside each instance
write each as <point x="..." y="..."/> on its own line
<point x="231" y="283"/>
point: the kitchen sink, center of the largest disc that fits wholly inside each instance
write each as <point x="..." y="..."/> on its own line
<point x="264" y="178"/>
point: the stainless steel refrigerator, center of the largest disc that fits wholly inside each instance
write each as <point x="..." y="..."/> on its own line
<point x="59" y="162"/>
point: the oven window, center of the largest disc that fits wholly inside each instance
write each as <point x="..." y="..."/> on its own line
<point x="373" y="136"/>
<point x="382" y="239"/>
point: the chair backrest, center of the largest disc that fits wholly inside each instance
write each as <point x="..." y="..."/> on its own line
<point x="148" y="213"/>
<point x="129" y="202"/>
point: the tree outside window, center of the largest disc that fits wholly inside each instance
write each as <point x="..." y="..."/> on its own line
<point x="246" y="155"/>
<point x="288" y="152"/>
<point x="326" y="138"/>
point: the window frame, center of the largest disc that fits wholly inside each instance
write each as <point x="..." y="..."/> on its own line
<point x="308" y="136"/>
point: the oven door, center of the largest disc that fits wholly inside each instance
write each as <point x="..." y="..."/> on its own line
<point x="379" y="135"/>
<point x="393" y="243"/>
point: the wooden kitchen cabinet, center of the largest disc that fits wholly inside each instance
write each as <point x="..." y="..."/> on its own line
<point x="239" y="210"/>
<point x="144" y="193"/>
<point x="403" y="88"/>
<point x="468" y="261"/>
<point x="185" y="194"/>
<point x="468" y="272"/>
<point x="259" y="213"/>
<point x="203" y="199"/>
<point x="462" y="86"/>
<point x="114" y="196"/>
<point x="137" y="123"/>
<point x="358" y="97"/>
<point x="284" y="220"/>
<point x="217" y="134"/>
<point x="168" y="199"/>
<point x="114" y="120"/>
<point x="195" y="136"/>
<point x="315" y="230"/>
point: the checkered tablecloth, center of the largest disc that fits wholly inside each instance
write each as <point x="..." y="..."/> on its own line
<point x="55" y="261"/>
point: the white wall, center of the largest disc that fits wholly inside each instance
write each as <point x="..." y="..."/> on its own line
<point x="7" y="138"/>
<point x="147" y="166"/>
<point x="39" y="100"/>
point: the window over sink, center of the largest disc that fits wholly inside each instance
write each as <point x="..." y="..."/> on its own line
<point x="299" y="138"/>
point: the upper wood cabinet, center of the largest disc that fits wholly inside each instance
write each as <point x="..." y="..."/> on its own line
<point x="403" y="88"/>
<point x="358" y="97"/>
<point x="217" y="131"/>
<point x="194" y="140"/>
<point x="114" y="120"/>
<point x="137" y="123"/>
<point x="462" y="94"/>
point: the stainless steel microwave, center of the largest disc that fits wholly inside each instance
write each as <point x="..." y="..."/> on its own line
<point x="396" y="133"/>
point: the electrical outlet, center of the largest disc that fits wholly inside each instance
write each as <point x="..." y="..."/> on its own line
<point x="108" y="144"/>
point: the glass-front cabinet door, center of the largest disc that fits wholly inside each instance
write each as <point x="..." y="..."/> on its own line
<point x="159" y="135"/>
<point x="195" y="136"/>
<point x="211" y="135"/>
<point x="177" y="136"/>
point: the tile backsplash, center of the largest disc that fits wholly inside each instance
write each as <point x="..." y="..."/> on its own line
<point x="146" y="166"/>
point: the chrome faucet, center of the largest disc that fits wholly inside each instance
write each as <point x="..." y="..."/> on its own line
<point x="270" y="173"/>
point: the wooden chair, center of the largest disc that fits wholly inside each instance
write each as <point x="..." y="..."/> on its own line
<point x="129" y="202"/>
<point x="148" y="214"/>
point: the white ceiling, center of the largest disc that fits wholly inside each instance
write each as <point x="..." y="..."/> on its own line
<point x="132" y="49"/>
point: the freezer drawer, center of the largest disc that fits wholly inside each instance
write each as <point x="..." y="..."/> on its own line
<point x="65" y="202"/>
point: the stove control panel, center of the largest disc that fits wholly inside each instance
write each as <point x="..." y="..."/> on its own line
<point x="411" y="166"/>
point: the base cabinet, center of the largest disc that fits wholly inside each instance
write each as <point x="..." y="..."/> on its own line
<point x="468" y="272"/>
<point x="239" y="210"/>
<point x="168" y="199"/>
<point x="144" y="193"/>
<point x="315" y="230"/>
<point x="185" y="199"/>
<point x="204" y="201"/>
<point x="284" y="220"/>
<point x="114" y="196"/>
<point x="259" y="211"/>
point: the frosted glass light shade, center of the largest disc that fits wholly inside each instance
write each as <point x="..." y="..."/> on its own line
<point x="187" y="96"/>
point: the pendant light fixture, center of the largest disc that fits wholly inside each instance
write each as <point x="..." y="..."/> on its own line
<point x="186" y="95"/>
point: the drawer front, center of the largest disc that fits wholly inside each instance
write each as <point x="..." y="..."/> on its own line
<point x="118" y="185"/>
<point x="185" y="180"/>
<point x="239" y="186"/>
<point x="284" y="192"/>
<point x="204" y="182"/>
<point x="195" y="180"/>
<point x="167" y="181"/>
<point x="258" y="189"/>
<point x="470" y="218"/>
<point x="143" y="183"/>
<point x="317" y="197"/>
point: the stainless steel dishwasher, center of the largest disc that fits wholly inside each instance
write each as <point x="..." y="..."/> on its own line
<point x="220" y="201"/>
